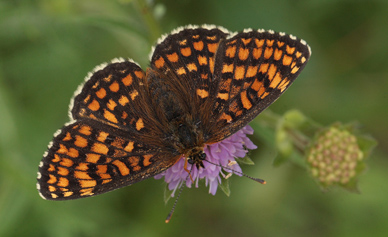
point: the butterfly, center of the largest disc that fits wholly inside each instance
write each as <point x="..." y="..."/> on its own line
<point x="203" y="85"/>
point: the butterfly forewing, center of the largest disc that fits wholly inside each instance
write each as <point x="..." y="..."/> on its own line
<point x="253" y="68"/>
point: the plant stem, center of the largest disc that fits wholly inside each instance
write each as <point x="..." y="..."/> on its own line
<point x="149" y="19"/>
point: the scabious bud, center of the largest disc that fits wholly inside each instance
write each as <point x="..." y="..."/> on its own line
<point x="335" y="157"/>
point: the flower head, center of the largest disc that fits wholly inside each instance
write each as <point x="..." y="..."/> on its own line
<point x="335" y="157"/>
<point x="223" y="153"/>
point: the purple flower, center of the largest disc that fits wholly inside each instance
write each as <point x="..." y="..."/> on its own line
<point x="223" y="153"/>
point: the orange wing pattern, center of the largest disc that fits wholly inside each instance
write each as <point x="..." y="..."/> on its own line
<point x="204" y="84"/>
<point x="253" y="68"/>
<point x="113" y="140"/>
<point x="90" y="158"/>
<point x="115" y="95"/>
<point x="185" y="59"/>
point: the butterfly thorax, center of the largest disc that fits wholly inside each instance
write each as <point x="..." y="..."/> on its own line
<point x="183" y="132"/>
<point x="186" y="138"/>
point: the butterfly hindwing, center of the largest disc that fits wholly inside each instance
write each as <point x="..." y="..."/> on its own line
<point x="116" y="95"/>
<point x="88" y="158"/>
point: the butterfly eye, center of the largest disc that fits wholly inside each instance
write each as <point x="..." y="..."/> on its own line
<point x="202" y="156"/>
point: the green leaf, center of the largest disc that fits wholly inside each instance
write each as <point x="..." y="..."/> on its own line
<point x="225" y="186"/>
<point x="245" y="161"/>
<point x="366" y="144"/>
<point x="280" y="159"/>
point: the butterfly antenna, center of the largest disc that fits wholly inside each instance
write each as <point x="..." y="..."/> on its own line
<point x="173" y="207"/>
<point x="238" y="172"/>
<point x="176" y="200"/>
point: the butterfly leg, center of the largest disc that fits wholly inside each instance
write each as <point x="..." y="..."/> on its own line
<point x="187" y="170"/>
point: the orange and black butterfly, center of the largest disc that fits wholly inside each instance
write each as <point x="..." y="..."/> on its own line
<point x="203" y="85"/>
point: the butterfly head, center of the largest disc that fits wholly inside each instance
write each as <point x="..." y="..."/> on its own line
<point x="196" y="156"/>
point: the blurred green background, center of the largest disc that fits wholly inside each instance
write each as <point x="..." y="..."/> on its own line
<point x="47" y="48"/>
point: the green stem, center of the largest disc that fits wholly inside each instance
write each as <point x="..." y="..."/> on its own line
<point x="299" y="139"/>
<point x="299" y="129"/>
<point x="270" y="119"/>
<point x="149" y="19"/>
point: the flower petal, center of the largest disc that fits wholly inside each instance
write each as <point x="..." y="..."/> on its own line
<point x="221" y="153"/>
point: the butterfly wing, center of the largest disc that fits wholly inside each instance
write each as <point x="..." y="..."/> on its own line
<point x="185" y="61"/>
<point x="116" y="94"/>
<point x="110" y="143"/>
<point x="120" y="116"/>
<point x="252" y="69"/>
<point x="227" y="79"/>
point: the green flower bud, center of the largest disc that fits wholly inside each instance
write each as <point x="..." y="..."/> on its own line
<point x="335" y="158"/>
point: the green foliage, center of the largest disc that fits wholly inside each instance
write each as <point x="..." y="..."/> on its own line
<point x="47" y="48"/>
<point x="225" y="186"/>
